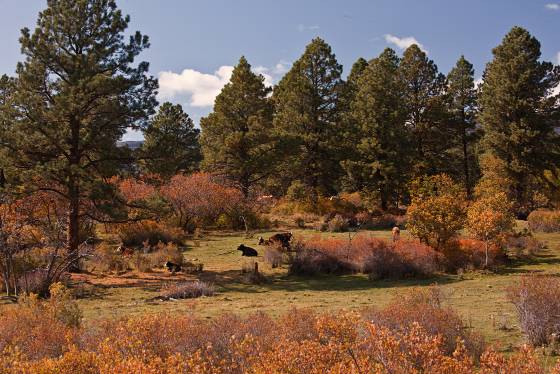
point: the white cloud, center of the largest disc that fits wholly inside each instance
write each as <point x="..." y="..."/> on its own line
<point x="558" y="58"/>
<point x="302" y="28"/>
<point x="552" y="6"/>
<point x="202" y="88"/>
<point x="403" y="43"/>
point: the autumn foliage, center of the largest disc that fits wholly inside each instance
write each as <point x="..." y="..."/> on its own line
<point x="363" y="254"/>
<point x="198" y="198"/>
<point x="437" y="211"/>
<point x="300" y="341"/>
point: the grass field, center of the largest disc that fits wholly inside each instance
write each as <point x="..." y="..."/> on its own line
<point x="479" y="297"/>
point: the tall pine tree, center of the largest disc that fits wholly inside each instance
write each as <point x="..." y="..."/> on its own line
<point x="462" y="107"/>
<point x="76" y="94"/>
<point x="350" y="134"/>
<point x="518" y="113"/>
<point x="307" y="117"/>
<point x="236" y="137"/>
<point x="171" y="142"/>
<point x="424" y="102"/>
<point x="382" y="149"/>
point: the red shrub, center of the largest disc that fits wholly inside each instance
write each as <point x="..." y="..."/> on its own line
<point x="373" y="256"/>
<point x="470" y="254"/>
<point x="196" y="198"/>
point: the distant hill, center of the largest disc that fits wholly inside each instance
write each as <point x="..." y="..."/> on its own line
<point x="132" y="144"/>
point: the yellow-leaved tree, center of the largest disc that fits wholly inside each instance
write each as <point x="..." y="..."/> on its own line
<point x="437" y="211"/>
<point x="489" y="218"/>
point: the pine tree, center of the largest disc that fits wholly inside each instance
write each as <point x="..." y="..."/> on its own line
<point x="307" y="116"/>
<point x="463" y="107"/>
<point x="350" y="134"/>
<point x="382" y="157"/>
<point x="424" y="102"/>
<point x="236" y="137"/>
<point x="76" y="94"/>
<point x="519" y="114"/>
<point x="171" y="142"/>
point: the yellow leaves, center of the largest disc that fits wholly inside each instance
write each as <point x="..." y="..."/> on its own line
<point x="490" y="216"/>
<point x="337" y="343"/>
<point x="437" y="211"/>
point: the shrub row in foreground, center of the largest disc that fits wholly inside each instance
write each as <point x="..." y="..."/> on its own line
<point x="420" y="335"/>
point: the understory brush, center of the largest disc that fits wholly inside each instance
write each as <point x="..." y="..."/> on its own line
<point x="376" y="257"/>
<point x="137" y="233"/>
<point x="544" y="221"/>
<point x="537" y="302"/>
<point x="422" y="336"/>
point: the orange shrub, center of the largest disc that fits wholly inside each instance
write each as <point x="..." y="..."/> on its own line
<point x="196" y="199"/>
<point x="425" y="307"/>
<point x="470" y="254"/>
<point x="136" y="233"/>
<point x="373" y="256"/>
<point x="343" y="342"/>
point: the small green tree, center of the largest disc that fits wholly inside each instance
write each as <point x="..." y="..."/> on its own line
<point x="489" y="218"/>
<point x="170" y="142"/>
<point x="437" y="211"/>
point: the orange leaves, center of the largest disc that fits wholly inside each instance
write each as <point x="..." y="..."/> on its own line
<point x="197" y="196"/>
<point x="334" y="343"/>
<point x="437" y="211"/>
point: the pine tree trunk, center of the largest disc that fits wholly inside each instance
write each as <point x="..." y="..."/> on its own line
<point x="73" y="231"/>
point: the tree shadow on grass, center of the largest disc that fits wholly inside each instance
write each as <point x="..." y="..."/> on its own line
<point x="231" y="281"/>
<point x="521" y="265"/>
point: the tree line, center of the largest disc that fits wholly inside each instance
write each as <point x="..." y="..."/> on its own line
<point x="393" y="119"/>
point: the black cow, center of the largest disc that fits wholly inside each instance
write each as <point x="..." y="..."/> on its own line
<point x="282" y="239"/>
<point x="172" y="267"/>
<point x="247" y="251"/>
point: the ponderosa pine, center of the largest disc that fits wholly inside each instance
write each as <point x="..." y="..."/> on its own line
<point x="171" y="142"/>
<point x="236" y="139"/>
<point x="77" y="93"/>
<point x="519" y="115"/>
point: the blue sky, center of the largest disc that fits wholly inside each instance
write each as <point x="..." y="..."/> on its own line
<point x="195" y="43"/>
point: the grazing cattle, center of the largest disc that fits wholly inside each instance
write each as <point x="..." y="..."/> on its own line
<point x="282" y="239"/>
<point x="396" y="233"/>
<point x="172" y="267"/>
<point x="247" y="251"/>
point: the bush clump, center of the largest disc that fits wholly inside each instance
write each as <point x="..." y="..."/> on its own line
<point x="138" y="233"/>
<point x="544" y="221"/>
<point x="376" y="257"/>
<point x="425" y="306"/>
<point x="470" y="254"/>
<point x="338" y="224"/>
<point x="301" y="341"/>
<point x="187" y="290"/>
<point x="537" y="302"/>
<point x="273" y="255"/>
